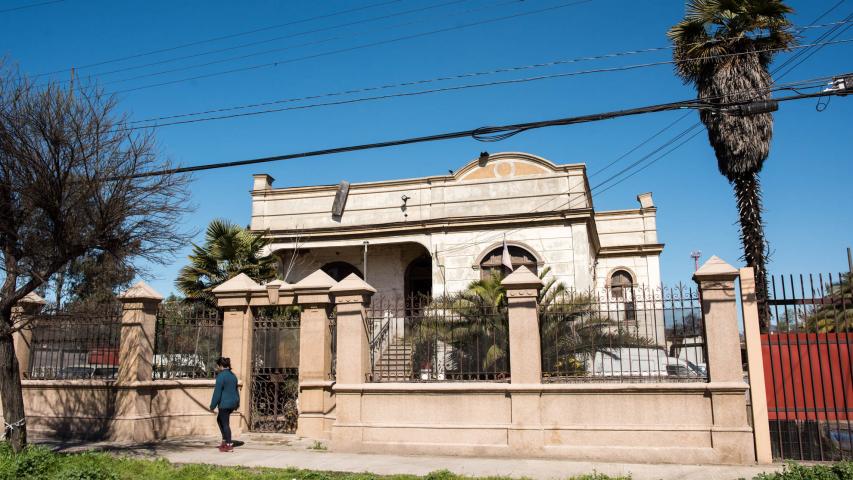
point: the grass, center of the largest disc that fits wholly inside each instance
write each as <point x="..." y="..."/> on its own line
<point x="43" y="464"/>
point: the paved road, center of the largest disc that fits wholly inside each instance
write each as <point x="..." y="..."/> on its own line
<point x="287" y="451"/>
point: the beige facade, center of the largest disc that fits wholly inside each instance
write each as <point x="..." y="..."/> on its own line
<point x="452" y="222"/>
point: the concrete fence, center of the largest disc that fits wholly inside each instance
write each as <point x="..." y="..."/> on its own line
<point x="693" y="422"/>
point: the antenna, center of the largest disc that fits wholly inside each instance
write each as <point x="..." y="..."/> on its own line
<point x="695" y="255"/>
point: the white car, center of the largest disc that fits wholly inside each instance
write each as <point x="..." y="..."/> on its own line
<point x="640" y="362"/>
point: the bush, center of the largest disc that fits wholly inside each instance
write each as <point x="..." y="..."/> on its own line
<point x="793" y="471"/>
<point x="32" y="463"/>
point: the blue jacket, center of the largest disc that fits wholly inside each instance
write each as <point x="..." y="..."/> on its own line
<point x="225" y="394"/>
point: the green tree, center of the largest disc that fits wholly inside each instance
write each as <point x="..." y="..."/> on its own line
<point x="835" y="314"/>
<point x="228" y="251"/>
<point x="724" y="48"/>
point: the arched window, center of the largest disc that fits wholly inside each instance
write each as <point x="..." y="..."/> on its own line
<point x="340" y="270"/>
<point x="520" y="257"/>
<point x="620" y="283"/>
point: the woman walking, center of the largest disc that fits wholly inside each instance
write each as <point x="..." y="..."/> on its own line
<point x="227" y="398"/>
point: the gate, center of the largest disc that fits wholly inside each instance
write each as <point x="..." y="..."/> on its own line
<point x="275" y="370"/>
<point x="807" y="350"/>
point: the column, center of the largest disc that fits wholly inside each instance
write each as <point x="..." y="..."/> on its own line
<point x="352" y="297"/>
<point x="234" y="297"/>
<point x="755" y="362"/>
<point x="732" y="438"/>
<point x="525" y="359"/>
<point x="315" y="356"/>
<point x="27" y="306"/>
<point x="133" y="420"/>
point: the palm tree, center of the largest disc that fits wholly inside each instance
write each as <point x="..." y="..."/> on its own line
<point x="835" y="314"/>
<point x="724" y="48"/>
<point x="228" y="251"/>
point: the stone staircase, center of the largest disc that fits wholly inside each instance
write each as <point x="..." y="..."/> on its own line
<point x="395" y="363"/>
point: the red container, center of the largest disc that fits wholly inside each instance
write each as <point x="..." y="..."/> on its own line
<point x="808" y="376"/>
<point x="103" y="357"/>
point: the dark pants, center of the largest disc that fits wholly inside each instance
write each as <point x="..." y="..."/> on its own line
<point x="223" y="420"/>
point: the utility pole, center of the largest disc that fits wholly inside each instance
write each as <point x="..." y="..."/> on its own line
<point x="695" y="254"/>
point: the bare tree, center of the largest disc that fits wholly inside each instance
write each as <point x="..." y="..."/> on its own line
<point x="70" y="187"/>
<point x="297" y="257"/>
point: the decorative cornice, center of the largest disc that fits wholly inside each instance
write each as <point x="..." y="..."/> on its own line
<point x="627" y="250"/>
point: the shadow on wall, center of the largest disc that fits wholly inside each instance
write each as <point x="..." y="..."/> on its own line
<point x="79" y="412"/>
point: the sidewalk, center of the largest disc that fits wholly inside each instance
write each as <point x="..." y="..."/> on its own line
<point x="282" y="451"/>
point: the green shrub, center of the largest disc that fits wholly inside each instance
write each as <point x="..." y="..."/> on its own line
<point x="793" y="471"/>
<point x="32" y="463"/>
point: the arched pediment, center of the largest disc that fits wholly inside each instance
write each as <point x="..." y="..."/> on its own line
<point x="505" y="165"/>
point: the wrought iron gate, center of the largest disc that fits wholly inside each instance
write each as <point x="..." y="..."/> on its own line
<point x="275" y="370"/>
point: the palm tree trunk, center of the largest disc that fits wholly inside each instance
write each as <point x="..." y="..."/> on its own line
<point x="748" y="194"/>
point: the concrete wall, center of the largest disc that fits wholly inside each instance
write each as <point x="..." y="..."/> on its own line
<point x="671" y="423"/>
<point x="90" y="409"/>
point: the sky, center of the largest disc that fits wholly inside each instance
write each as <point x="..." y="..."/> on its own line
<point x="367" y="43"/>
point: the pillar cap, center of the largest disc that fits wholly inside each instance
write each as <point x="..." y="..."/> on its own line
<point x="239" y="283"/>
<point x="715" y="269"/>
<point x="32" y="298"/>
<point x="319" y="280"/>
<point x="278" y="285"/>
<point x="353" y="285"/>
<point x="521" y="278"/>
<point x="140" y="291"/>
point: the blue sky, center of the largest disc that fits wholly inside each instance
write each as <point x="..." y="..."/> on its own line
<point x="806" y="178"/>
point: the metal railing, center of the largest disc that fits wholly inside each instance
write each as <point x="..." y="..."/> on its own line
<point x="76" y="342"/>
<point x="421" y="339"/>
<point x="644" y="335"/>
<point x="807" y="347"/>
<point x="188" y="340"/>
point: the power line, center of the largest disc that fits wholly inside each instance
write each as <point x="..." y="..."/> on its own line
<point x="421" y="92"/>
<point x="32" y="5"/>
<point x="798" y="54"/>
<point x="478" y="133"/>
<point x="358" y="47"/>
<point x="223" y="37"/>
<point x="290" y="47"/>
<point x="641" y="144"/>
<point x="259" y="42"/>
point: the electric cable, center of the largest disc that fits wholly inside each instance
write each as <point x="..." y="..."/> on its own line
<point x="358" y="47"/>
<point x="223" y="37"/>
<point x="424" y="92"/>
<point x="259" y="42"/>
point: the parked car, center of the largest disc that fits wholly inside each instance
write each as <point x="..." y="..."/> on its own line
<point x="179" y="365"/>
<point x="640" y="362"/>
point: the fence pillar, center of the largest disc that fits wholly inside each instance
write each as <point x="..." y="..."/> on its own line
<point x="27" y="306"/>
<point x="234" y="298"/>
<point x="315" y="356"/>
<point x="352" y="295"/>
<point x="525" y="359"/>
<point x="525" y="355"/>
<point x="755" y="363"/>
<point x="133" y="421"/>
<point x="732" y="436"/>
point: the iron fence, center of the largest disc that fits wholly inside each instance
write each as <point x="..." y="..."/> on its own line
<point x="76" y="342"/>
<point x="807" y="348"/>
<point x="275" y="370"/>
<point x="188" y="340"/>
<point x="458" y="338"/>
<point x="643" y="335"/>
